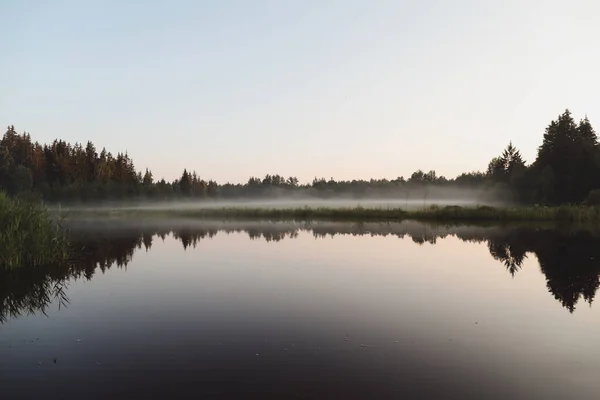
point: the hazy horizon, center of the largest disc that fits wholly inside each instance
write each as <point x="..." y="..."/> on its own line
<point x="343" y="89"/>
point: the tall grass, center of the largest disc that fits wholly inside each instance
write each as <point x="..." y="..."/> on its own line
<point x="566" y="213"/>
<point x="432" y="213"/>
<point x="28" y="236"/>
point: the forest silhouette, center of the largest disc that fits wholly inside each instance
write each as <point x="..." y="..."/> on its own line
<point x="566" y="170"/>
<point x="569" y="258"/>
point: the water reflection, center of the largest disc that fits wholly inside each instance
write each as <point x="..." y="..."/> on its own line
<point x="31" y="290"/>
<point x="568" y="258"/>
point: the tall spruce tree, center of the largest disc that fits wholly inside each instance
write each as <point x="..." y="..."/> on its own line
<point x="571" y="152"/>
<point x="185" y="183"/>
<point x="558" y="151"/>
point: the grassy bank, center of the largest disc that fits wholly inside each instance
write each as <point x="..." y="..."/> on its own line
<point x="433" y="213"/>
<point x="28" y="236"/>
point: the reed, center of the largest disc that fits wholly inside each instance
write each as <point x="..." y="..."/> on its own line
<point x="28" y="235"/>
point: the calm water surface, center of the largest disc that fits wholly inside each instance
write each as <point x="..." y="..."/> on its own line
<point x="322" y="310"/>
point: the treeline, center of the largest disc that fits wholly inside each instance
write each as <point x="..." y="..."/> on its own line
<point x="566" y="170"/>
<point x="61" y="171"/>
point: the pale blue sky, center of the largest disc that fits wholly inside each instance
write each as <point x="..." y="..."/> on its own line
<point x="347" y="88"/>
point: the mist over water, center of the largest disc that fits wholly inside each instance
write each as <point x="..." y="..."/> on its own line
<point x="294" y="203"/>
<point x="441" y="196"/>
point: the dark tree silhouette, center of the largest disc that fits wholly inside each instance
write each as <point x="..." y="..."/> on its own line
<point x="566" y="170"/>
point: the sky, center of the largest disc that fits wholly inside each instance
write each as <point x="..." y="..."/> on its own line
<point x="346" y="89"/>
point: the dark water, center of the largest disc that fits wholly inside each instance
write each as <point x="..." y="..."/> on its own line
<point x="323" y="311"/>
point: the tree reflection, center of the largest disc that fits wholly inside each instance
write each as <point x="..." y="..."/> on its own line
<point x="509" y="249"/>
<point x="568" y="258"/>
<point x="570" y="264"/>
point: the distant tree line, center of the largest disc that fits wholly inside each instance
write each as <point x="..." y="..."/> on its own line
<point x="566" y="170"/>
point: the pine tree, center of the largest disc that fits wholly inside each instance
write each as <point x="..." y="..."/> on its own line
<point x="586" y="133"/>
<point x="185" y="184"/>
<point x="513" y="161"/>
<point x="559" y="151"/>
<point x="212" y="189"/>
<point x="147" y="180"/>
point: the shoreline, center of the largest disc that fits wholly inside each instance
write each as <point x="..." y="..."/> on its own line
<point x="427" y="214"/>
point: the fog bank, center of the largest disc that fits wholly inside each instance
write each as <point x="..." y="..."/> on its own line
<point x="409" y="200"/>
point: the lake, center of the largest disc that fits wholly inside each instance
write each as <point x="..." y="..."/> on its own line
<point x="173" y="309"/>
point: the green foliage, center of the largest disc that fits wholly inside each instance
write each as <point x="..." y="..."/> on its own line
<point x="433" y="213"/>
<point x="61" y="171"/>
<point x="507" y="214"/>
<point x="28" y="236"/>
